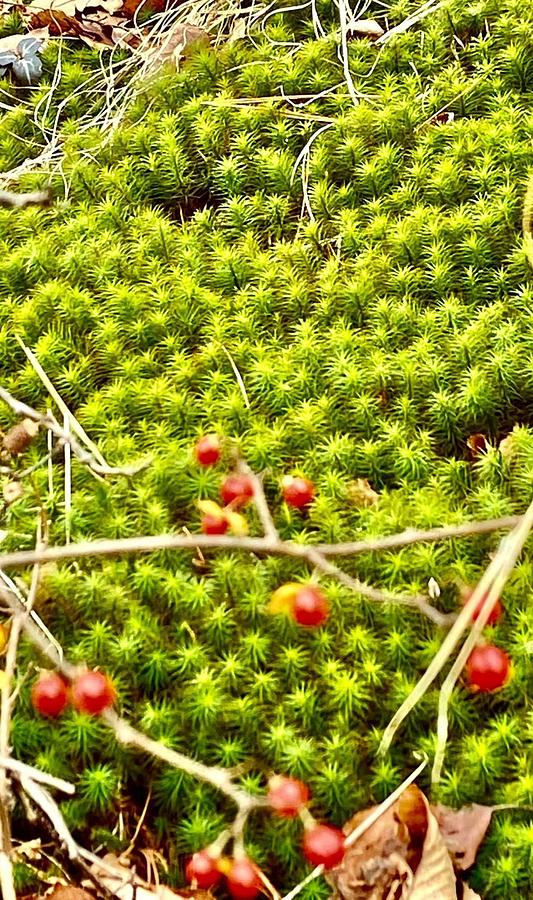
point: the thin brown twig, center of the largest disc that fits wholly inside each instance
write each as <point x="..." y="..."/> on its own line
<point x="86" y="457"/>
<point x="271" y="546"/>
<point x="259" y="545"/>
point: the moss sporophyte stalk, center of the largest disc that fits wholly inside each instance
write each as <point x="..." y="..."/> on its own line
<point x="373" y="334"/>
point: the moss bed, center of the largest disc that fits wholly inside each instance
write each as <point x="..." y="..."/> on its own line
<point x="373" y="338"/>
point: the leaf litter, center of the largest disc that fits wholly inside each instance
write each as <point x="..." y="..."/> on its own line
<point x="414" y="851"/>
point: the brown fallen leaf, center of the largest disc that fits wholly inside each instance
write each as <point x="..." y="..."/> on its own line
<point x="375" y="862"/>
<point x="69" y="892"/>
<point x="405" y="855"/>
<point x="361" y="494"/>
<point x="469" y="894"/>
<point x="20" y="436"/>
<point x="463" y="831"/>
<point x="434" y="876"/>
<point x="174" y="45"/>
<point x="477" y="444"/>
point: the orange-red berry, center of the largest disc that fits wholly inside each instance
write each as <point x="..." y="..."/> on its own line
<point x="237" y="489"/>
<point x="202" y="870"/>
<point x="310" y="607"/>
<point x="208" y="450"/>
<point x="49" y="695"/>
<point x="92" y="692"/>
<point x="488" y="668"/>
<point x="298" y="492"/>
<point x="323" y="845"/>
<point x="286" y="796"/>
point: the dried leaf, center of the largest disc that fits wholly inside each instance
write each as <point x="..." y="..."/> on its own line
<point x="20" y="436"/>
<point x="469" y="894"/>
<point x="434" y="876"/>
<point x="174" y="45"/>
<point x="404" y="855"/>
<point x="463" y="830"/>
<point x="12" y="491"/>
<point x="376" y="861"/>
<point x="361" y="494"/>
<point x="11" y="42"/>
<point x="365" y="28"/>
<point x="4" y="636"/>
<point x="69" y="892"/>
<point x="477" y="444"/>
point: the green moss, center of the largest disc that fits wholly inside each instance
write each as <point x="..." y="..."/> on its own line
<point x="372" y="339"/>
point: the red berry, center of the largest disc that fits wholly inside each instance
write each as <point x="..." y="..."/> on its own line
<point x="208" y="450"/>
<point x="287" y="795"/>
<point x="323" y="845"/>
<point x="495" y="613"/>
<point x="243" y="880"/>
<point x="310" y="607"/>
<point x="298" y="492"/>
<point x="488" y="668"/>
<point x="92" y="692"/>
<point x="237" y="489"/>
<point x="203" y="870"/>
<point x="214" y="524"/>
<point x="49" y="695"/>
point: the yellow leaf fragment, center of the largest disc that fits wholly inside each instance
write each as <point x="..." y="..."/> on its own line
<point x="210" y="508"/>
<point x="282" y="600"/>
<point x="236" y="522"/>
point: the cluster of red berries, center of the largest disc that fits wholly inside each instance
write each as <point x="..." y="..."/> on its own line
<point x="322" y="845"/>
<point x="90" y="692"/>
<point x="237" y="489"/>
<point x="488" y="667"/>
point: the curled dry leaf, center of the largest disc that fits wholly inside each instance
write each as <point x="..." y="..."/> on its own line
<point x="477" y="444"/>
<point x="410" y="851"/>
<point x="434" y="876"/>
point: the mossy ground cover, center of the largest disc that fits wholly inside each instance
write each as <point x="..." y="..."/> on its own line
<point x="373" y="337"/>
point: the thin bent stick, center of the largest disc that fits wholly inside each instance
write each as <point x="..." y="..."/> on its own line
<point x="516" y="539"/>
<point x="511" y="550"/>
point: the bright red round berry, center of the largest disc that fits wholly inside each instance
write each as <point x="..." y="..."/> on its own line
<point x="202" y="870"/>
<point x="298" y="492"/>
<point x="495" y="614"/>
<point x="488" y="668"/>
<point x="208" y="450"/>
<point x="92" y="692"/>
<point x="49" y="695"/>
<point x="237" y="489"/>
<point x="310" y="607"/>
<point x="243" y="880"/>
<point x="286" y="796"/>
<point x="214" y="524"/>
<point x="323" y="845"/>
